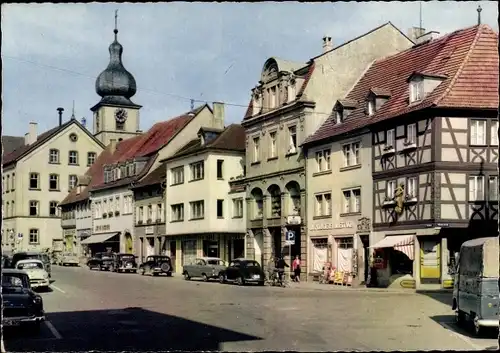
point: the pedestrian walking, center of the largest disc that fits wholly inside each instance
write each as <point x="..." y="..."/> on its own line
<point x="280" y="266"/>
<point x="296" y="268"/>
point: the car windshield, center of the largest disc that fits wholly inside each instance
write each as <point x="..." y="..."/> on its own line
<point x="252" y="264"/>
<point x="13" y="281"/>
<point x="19" y="257"/>
<point x="215" y="262"/>
<point x="29" y="265"/>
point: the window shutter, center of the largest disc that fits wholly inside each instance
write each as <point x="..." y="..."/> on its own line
<point x="472" y="189"/>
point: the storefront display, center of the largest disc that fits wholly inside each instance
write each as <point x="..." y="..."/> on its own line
<point x="319" y="254"/>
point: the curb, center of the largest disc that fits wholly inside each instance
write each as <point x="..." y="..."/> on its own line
<point x="351" y="289"/>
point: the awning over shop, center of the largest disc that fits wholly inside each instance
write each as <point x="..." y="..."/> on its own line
<point x="403" y="243"/>
<point x="99" y="238"/>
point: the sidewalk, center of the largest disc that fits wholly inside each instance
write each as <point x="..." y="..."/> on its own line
<point x="332" y="287"/>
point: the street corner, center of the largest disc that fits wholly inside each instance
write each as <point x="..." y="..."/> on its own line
<point x="487" y="340"/>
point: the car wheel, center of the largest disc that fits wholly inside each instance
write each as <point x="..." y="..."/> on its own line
<point x="186" y="276"/>
<point x="459" y="317"/>
<point x="261" y="283"/>
<point x="169" y="274"/>
<point x="222" y="278"/>
<point x="478" y="330"/>
<point x="239" y="281"/>
<point x="205" y="278"/>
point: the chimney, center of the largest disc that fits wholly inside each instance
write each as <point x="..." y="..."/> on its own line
<point x="27" y="138"/>
<point x="60" y="110"/>
<point x="327" y="44"/>
<point x="415" y="32"/>
<point x="31" y="136"/>
<point x="112" y="146"/>
<point x="218" y="115"/>
<point x="427" y="36"/>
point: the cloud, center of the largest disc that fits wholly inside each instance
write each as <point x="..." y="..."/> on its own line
<point x="181" y="49"/>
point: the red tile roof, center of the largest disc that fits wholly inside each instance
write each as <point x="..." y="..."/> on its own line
<point x="468" y="58"/>
<point x="144" y="145"/>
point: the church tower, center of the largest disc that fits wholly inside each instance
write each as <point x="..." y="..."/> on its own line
<point x="116" y="117"/>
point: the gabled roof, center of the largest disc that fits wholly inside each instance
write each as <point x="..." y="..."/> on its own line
<point x="23" y="150"/>
<point x="10" y="143"/>
<point x="232" y="138"/>
<point x="467" y="58"/>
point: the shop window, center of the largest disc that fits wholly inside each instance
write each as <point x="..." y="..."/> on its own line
<point x="210" y="248"/>
<point x="400" y="263"/>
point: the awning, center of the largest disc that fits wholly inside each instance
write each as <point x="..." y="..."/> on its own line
<point x="99" y="238"/>
<point x="403" y="243"/>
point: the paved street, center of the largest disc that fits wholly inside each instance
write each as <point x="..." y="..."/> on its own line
<point x="107" y="311"/>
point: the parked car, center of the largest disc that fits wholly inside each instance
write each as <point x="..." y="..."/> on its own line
<point x="21" y="306"/>
<point x="156" y="265"/>
<point x="475" y="292"/>
<point x="100" y="261"/>
<point x="123" y="263"/>
<point x="39" y="278"/>
<point x="69" y="259"/>
<point x="26" y="255"/>
<point x="243" y="271"/>
<point x="5" y="261"/>
<point x="204" y="267"/>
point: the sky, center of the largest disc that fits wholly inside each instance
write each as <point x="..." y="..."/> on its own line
<point x="52" y="53"/>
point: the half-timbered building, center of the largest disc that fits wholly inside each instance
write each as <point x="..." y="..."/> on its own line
<point x="432" y="111"/>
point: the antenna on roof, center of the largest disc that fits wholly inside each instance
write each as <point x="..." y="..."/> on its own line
<point x="192" y="104"/>
<point x="479" y="9"/>
<point x="73" y="111"/>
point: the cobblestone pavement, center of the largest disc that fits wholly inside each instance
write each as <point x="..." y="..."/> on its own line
<point x="91" y="310"/>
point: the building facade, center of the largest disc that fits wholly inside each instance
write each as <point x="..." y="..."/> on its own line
<point x="203" y="219"/>
<point x="37" y="176"/>
<point x="288" y="105"/>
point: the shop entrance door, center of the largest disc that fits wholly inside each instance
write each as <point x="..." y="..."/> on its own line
<point x="344" y="254"/>
<point x="239" y="248"/>
<point x="365" y="240"/>
<point x="430" y="261"/>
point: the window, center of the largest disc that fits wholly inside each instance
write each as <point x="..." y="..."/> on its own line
<point x="73" y="158"/>
<point x="53" y="156"/>
<point x="351" y="154"/>
<point x="7" y="187"/>
<point x="13" y="187"/>
<point x="292" y="133"/>
<point x="91" y="156"/>
<point x="140" y="214"/>
<point x="493" y="188"/>
<point x="33" y="208"/>
<point x="339" y="116"/>
<point x="391" y="188"/>
<point x="13" y="209"/>
<point x="34" y="181"/>
<point x="371" y="107"/>
<point x="220" y="174"/>
<point x="34" y="236"/>
<point x="177" y="212"/>
<point x="272" y="98"/>
<point x="197" y="171"/>
<point x="53" y="208"/>
<point x="220" y="208"/>
<point x="256" y="149"/>
<point x="478" y="132"/>
<point x="197" y="209"/>
<point x="416" y="90"/>
<point x="352" y="201"/>
<point x="411" y="133"/>
<point x="411" y="187"/>
<point x="150" y="212"/>
<point x="272" y="144"/>
<point x="494" y="133"/>
<point x="159" y="213"/>
<point x="120" y="125"/>
<point x="389" y="139"/>
<point x="53" y="182"/>
<point x="323" y="160"/>
<point x="177" y="175"/>
<point x="476" y="188"/>
<point x="7" y="210"/>
<point x="237" y="208"/>
<point x="73" y="180"/>
<point x="324" y="204"/>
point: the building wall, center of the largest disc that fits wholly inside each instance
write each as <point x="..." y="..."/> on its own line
<point x="38" y="162"/>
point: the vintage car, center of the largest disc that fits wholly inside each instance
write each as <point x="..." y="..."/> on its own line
<point x="26" y="255"/>
<point x="123" y="263"/>
<point x="39" y="278"/>
<point x="156" y="265"/>
<point x="69" y="259"/>
<point x="5" y="261"/>
<point x="204" y="267"/>
<point x="21" y="306"/>
<point x="243" y="271"/>
<point x="101" y="261"/>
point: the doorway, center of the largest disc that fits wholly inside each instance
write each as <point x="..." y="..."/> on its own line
<point x="210" y="248"/>
<point x="238" y="248"/>
<point x="365" y="241"/>
<point x="430" y="261"/>
<point x="129" y="246"/>
<point x="173" y="251"/>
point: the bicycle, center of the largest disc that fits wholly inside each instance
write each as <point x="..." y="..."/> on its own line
<point x="275" y="281"/>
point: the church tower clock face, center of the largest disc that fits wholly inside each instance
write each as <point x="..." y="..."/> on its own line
<point x="120" y="115"/>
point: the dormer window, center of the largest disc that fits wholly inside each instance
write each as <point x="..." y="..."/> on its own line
<point x="202" y="139"/>
<point x="339" y="116"/>
<point x="416" y="90"/>
<point x="371" y="107"/>
<point x="292" y="92"/>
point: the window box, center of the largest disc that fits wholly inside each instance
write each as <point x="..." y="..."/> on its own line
<point x="104" y="215"/>
<point x="150" y="221"/>
<point x="139" y="222"/>
<point x="388" y="202"/>
<point x="388" y="150"/>
<point x="409" y="145"/>
<point x="117" y="213"/>
<point x="410" y="200"/>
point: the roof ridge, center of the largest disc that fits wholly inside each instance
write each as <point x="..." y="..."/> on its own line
<point x="462" y="65"/>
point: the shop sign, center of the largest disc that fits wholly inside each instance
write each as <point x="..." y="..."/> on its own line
<point x="329" y="226"/>
<point x="150" y="230"/>
<point x="364" y="225"/>
<point x="102" y="228"/>
<point x="293" y="220"/>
